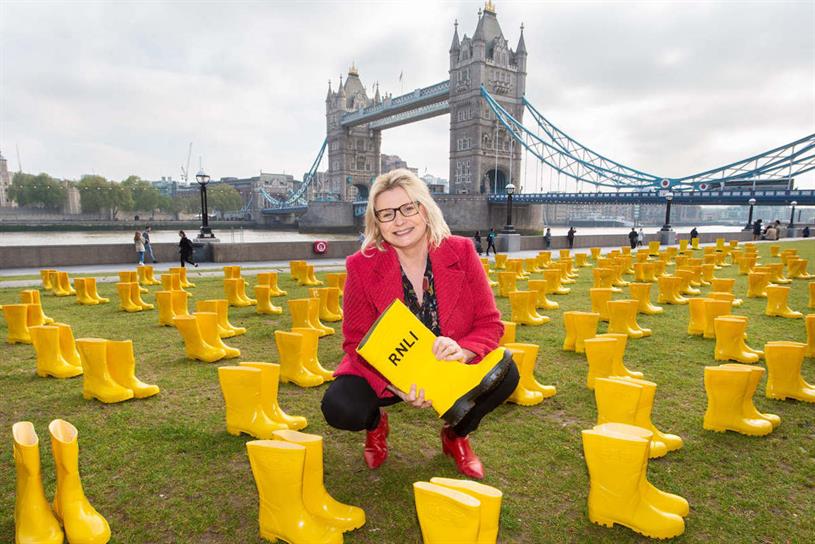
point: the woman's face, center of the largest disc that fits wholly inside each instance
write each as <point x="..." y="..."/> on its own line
<point x="403" y="232"/>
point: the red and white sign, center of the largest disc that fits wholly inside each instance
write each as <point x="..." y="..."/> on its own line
<point x="320" y="247"/>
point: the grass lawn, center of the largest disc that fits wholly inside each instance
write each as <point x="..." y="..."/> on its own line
<point x="165" y="470"/>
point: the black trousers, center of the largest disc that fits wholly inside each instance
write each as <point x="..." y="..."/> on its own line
<point x="350" y="404"/>
<point x="491" y="244"/>
<point x="186" y="257"/>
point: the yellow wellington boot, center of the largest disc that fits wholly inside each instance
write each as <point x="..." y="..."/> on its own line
<point x="581" y="260"/>
<point x="56" y="286"/>
<point x="531" y="299"/>
<point x="653" y="248"/>
<point x="17" y="323"/>
<point x="182" y="276"/>
<point x="264" y="301"/>
<point x="659" y="269"/>
<point x="685" y="287"/>
<point x="32" y="296"/>
<point x="314" y="317"/>
<point x="730" y="341"/>
<point x="179" y="301"/>
<point x="507" y="283"/>
<point x="777" y="297"/>
<point x="748" y="409"/>
<point x="489" y="497"/>
<point x="683" y="246"/>
<point x="271" y="279"/>
<point x="723" y="285"/>
<point x="240" y="386"/>
<point x="241" y="289"/>
<point x="82" y="296"/>
<point x="623" y="318"/>
<point x="618" y="401"/>
<point x="311" y="278"/>
<point x="599" y="355"/>
<point x="170" y="282"/>
<point x="90" y="287"/>
<point x="315" y="497"/>
<point x="135" y="297"/>
<point x="270" y="381"/>
<point x="667" y="285"/>
<point x="67" y="345"/>
<point x="522" y="395"/>
<point x="164" y="301"/>
<point x="777" y="274"/>
<point x="811" y="303"/>
<point x="579" y="327"/>
<point x="708" y="273"/>
<point x="531" y="266"/>
<point x="194" y="345"/>
<point x="82" y="523"/>
<point x="726" y="389"/>
<point x="519" y="303"/>
<point x="125" y="302"/>
<point x="65" y="285"/>
<point x="45" y="276"/>
<point x="329" y="304"/>
<point x="298" y="308"/>
<point x="311" y="361"/>
<point x="229" y="272"/>
<point x="554" y="283"/>
<point x="595" y="253"/>
<point x="232" y="292"/>
<point x="208" y="325"/>
<point x="122" y="368"/>
<point x="784" y="361"/>
<point x="509" y="334"/>
<point x="618" y="367"/>
<point x="141" y="273"/>
<point x="34" y="522"/>
<point x="604" y="278"/>
<point x="757" y="283"/>
<point x="97" y="381"/>
<point x="278" y="468"/>
<point x="643" y="419"/>
<point x="149" y="276"/>
<point x="618" y="461"/>
<point x="641" y="292"/>
<point x="694" y="243"/>
<point x="34" y="315"/>
<point x="446" y="515"/>
<point x="293" y="354"/>
<point x="540" y="288"/>
<point x="729" y="297"/>
<point x="696" y="316"/>
<point x="600" y="296"/>
<point x="543" y="258"/>
<point x="487" y="273"/>
<point x="298" y="271"/>
<point x="529" y="357"/>
<point x="221" y="307"/>
<point x="712" y="309"/>
<point x="809" y="351"/>
<point x="49" y="357"/>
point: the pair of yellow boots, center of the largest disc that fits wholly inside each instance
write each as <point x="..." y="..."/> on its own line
<point x="109" y="371"/>
<point x="529" y="391"/>
<point x="777" y="303"/>
<point x="250" y="395"/>
<point x="303" y="273"/>
<point x="145" y="275"/>
<point x="294" y="504"/>
<point x="235" y="291"/>
<point x="630" y="400"/>
<point x="34" y="519"/>
<point x="605" y="354"/>
<point x="56" y="351"/>
<point x="182" y="276"/>
<point x="460" y="511"/>
<point x="330" y="308"/>
<point x="617" y="459"/>
<point x="523" y="305"/>
<point x="171" y="304"/>
<point x="171" y="281"/>
<point x="641" y="292"/>
<point x="86" y="293"/>
<point x="305" y="314"/>
<point x="784" y="361"/>
<point x="57" y="282"/>
<point x="541" y="289"/>
<point x="730" y="389"/>
<point x="298" y="355"/>
<point x="337" y="279"/>
<point x="702" y="313"/>
<point x="130" y="297"/>
<point x="622" y="318"/>
<point x="731" y="330"/>
<point x="263" y="298"/>
<point x="670" y="290"/>
<point x="19" y="318"/>
<point x="579" y="326"/>
<point x="202" y="339"/>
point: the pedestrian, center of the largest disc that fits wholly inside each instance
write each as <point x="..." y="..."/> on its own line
<point x="491" y="242"/>
<point x="139" y="243"/>
<point x="477" y="240"/>
<point x="805" y="232"/>
<point x="694" y="233"/>
<point x="185" y="249"/>
<point x="148" y="247"/>
<point x="633" y="237"/>
<point x="570" y="236"/>
<point x="640" y="237"/>
<point x="757" y="229"/>
<point x="547" y="238"/>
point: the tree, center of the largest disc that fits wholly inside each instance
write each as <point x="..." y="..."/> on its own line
<point x="97" y="194"/>
<point x="145" y="197"/>
<point x="40" y="190"/>
<point x="224" y="198"/>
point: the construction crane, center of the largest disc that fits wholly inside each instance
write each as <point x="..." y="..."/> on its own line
<point x="186" y="171"/>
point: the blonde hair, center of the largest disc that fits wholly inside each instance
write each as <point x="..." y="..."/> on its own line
<point x="137" y="236"/>
<point x="417" y="191"/>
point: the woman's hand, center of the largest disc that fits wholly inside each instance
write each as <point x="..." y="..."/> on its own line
<point x="417" y="401"/>
<point x="447" y="349"/>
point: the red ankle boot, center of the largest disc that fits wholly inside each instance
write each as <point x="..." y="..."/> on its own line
<point x="376" y="443"/>
<point x="458" y="448"/>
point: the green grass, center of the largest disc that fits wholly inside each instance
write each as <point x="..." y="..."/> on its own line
<point x="165" y="470"/>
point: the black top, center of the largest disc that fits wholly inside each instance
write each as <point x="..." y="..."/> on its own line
<point x="633" y="235"/>
<point x="428" y="312"/>
<point x="185" y="245"/>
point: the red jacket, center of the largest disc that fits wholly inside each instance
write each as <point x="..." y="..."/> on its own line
<point x="466" y="306"/>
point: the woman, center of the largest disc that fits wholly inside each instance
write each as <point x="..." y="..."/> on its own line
<point x="570" y="236"/>
<point x="410" y="255"/>
<point x="477" y="242"/>
<point x="137" y="240"/>
<point x="185" y="249"/>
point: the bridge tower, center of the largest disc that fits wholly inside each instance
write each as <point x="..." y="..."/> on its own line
<point x="483" y="158"/>
<point x="353" y="154"/>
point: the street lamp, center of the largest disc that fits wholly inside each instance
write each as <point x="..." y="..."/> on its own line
<point x="792" y="214"/>
<point x="203" y="179"/>
<point x="508" y="228"/>
<point x="749" y="225"/>
<point x="667" y="226"/>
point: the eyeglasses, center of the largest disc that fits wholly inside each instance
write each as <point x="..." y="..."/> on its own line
<point x="387" y="215"/>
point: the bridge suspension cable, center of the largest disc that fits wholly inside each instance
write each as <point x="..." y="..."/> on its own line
<point x="298" y="197"/>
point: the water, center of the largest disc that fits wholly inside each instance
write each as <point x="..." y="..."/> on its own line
<point x="255" y="235"/>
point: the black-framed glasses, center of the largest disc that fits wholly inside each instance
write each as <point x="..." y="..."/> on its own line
<point x="386" y="215"/>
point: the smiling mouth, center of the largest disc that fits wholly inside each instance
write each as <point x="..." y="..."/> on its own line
<point x="402" y="232"/>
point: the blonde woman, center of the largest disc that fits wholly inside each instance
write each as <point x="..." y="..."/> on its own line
<point x="139" y="243"/>
<point x="409" y="254"/>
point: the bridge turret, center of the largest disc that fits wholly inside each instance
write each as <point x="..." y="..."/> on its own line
<point x="455" y="47"/>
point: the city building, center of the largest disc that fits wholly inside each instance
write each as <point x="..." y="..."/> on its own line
<point x="394" y="162"/>
<point x="5" y="183"/>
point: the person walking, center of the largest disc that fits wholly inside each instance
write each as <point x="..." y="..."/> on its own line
<point x="633" y="238"/>
<point x="547" y="238"/>
<point x="640" y="237"/>
<point x="806" y="231"/>
<point x="148" y="247"/>
<point x="570" y="236"/>
<point x="477" y="241"/>
<point x="185" y="249"/>
<point x="694" y="233"/>
<point x="139" y="243"/>
<point x="491" y="242"/>
<point x="757" y="229"/>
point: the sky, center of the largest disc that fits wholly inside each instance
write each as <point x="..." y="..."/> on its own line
<point x="121" y="88"/>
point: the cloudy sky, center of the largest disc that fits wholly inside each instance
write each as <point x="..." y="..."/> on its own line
<point x="120" y="88"/>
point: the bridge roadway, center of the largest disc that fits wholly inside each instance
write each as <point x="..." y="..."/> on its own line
<point x="391" y="112"/>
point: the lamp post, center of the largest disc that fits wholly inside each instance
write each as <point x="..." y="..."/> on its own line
<point x="203" y="179"/>
<point x="508" y="228"/>
<point x="667" y="226"/>
<point x="792" y="214"/>
<point x="749" y="225"/>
